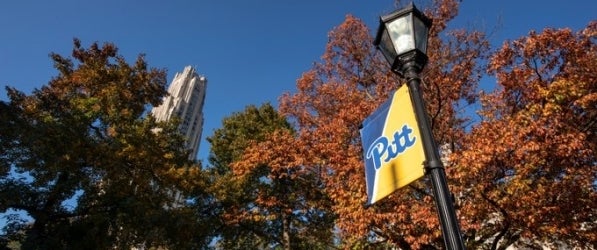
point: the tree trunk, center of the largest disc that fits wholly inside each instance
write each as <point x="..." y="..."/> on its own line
<point x="286" y="231"/>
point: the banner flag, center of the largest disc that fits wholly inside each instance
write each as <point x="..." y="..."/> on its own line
<point x="392" y="147"/>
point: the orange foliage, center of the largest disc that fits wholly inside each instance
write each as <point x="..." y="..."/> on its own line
<point x="526" y="170"/>
<point x="530" y="167"/>
<point x="336" y="95"/>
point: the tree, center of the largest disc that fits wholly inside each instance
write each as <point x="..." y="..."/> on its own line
<point x="267" y="200"/>
<point x="95" y="173"/>
<point x="228" y="143"/>
<point x="239" y="130"/>
<point x="528" y="173"/>
<point x="334" y="97"/>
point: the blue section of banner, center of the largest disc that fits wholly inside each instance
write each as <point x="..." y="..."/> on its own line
<point x="373" y="126"/>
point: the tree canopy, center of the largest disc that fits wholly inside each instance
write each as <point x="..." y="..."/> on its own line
<point x="508" y="172"/>
<point x="528" y="169"/>
<point x="352" y="80"/>
<point x="90" y="170"/>
<point x="267" y="200"/>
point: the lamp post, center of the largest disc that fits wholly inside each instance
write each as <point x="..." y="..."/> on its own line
<point x="402" y="39"/>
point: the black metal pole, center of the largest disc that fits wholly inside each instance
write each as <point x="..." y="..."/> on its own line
<point x="433" y="165"/>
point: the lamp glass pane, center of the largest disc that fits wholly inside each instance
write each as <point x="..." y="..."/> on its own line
<point x="421" y="35"/>
<point x="401" y="33"/>
<point x="387" y="47"/>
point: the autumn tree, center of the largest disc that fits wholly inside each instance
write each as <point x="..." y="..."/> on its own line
<point x="239" y="130"/>
<point x="227" y="144"/>
<point x="338" y="93"/>
<point x="83" y="160"/>
<point x="266" y="199"/>
<point x="528" y="174"/>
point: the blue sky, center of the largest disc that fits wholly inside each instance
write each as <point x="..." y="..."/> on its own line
<point x="250" y="51"/>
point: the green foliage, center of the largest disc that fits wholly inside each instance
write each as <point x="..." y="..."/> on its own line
<point x="97" y="174"/>
<point x="228" y="143"/>
<point x="239" y="130"/>
<point x="263" y="205"/>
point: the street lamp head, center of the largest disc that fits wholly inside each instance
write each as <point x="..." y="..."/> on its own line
<point x="402" y="39"/>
